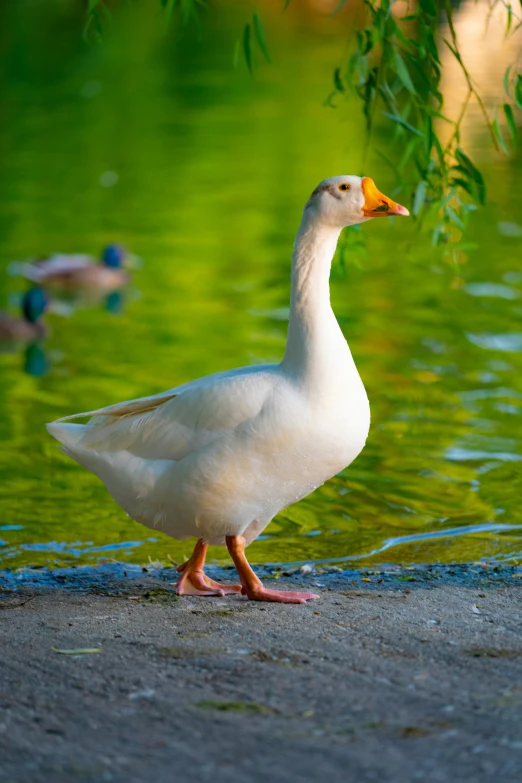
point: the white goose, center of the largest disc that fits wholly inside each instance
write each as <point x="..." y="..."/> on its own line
<point x="219" y="457"/>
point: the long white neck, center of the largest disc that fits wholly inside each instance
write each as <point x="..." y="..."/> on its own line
<point x="315" y="344"/>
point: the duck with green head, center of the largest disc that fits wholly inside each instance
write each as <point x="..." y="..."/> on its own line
<point x="28" y="327"/>
<point x="63" y="270"/>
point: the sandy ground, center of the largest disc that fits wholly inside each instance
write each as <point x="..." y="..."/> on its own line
<point x="409" y="676"/>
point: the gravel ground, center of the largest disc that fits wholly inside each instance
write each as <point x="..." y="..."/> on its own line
<point x="394" y="675"/>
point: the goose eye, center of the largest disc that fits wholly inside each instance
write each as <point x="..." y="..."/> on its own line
<point x="344" y="186"/>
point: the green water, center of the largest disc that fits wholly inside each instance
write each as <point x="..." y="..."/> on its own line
<point x="213" y="170"/>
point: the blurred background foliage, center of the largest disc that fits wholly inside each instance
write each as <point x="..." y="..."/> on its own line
<point x="395" y="64"/>
<point x="155" y="138"/>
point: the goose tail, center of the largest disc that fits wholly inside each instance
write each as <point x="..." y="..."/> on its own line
<point x="65" y="433"/>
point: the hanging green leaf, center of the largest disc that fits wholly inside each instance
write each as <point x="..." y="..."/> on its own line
<point x="507" y="74"/>
<point x="391" y="164"/>
<point x="469" y="167"/>
<point x="455" y="52"/>
<point x="260" y="37"/>
<point x="429" y="7"/>
<point x="389" y="97"/>
<point x="428" y="136"/>
<point x="462" y="177"/>
<point x="247" y="47"/>
<point x="518" y="91"/>
<point x="403" y="73"/>
<point x="237" y="49"/>
<point x="420" y="196"/>
<point x="431" y="44"/>
<point x="403" y="123"/>
<point x="339" y="5"/>
<point x="411" y="148"/>
<point x="510" y="119"/>
<point x="418" y="63"/>
<point x="497" y="130"/>
<point x="338" y="81"/>
<point x="438" y="149"/>
<point x="168" y="7"/>
<point x="466" y="247"/>
<point x="439" y="236"/>
<point x="187" y="10"/>
<point x="454" y="218"/>
<point x="97" y="15"/>
<point x="509" y="19"/>
<point x="464" y="184"/>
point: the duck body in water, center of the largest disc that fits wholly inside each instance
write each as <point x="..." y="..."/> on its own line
<point x="219" y="457"/>
<point x="63" y="270"/>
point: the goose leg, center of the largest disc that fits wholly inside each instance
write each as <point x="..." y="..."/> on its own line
<point x="193" y="580"/>
<point x="252" y="586"/>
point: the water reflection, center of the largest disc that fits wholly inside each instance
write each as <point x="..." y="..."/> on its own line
<point x="35" y="360"/>
<point x="400" y="541"/>
<point x="213" y="170"/>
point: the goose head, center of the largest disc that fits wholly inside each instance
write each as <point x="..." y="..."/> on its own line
<point x="347" y="200"/>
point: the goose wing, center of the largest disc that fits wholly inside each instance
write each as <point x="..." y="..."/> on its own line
<point x="175" y="423"/>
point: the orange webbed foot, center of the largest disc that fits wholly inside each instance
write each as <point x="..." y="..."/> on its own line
<point x="194" y="581"/>
<point x="261" y="593"/>
<point x="197" y="583"/>
<point x="252" y="586"/>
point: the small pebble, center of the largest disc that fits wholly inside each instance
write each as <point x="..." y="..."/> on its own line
<point x="148" y="693"/>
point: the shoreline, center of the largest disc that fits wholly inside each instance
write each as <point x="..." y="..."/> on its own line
<point x="119" y="576"/>
<point x="394" y="675"/>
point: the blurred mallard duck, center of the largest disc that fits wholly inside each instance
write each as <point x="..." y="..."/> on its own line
<point x="34" y="303"/>
<point x="65" y="270"/>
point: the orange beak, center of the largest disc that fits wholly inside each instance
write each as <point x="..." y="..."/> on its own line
<point x="376" y="204"/>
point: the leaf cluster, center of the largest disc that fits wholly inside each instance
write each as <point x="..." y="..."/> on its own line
<point x="187" y="10"/>
<point x="97" y="16"/>
<point x="252" y="32"/>
<point x="395" y="69"/>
